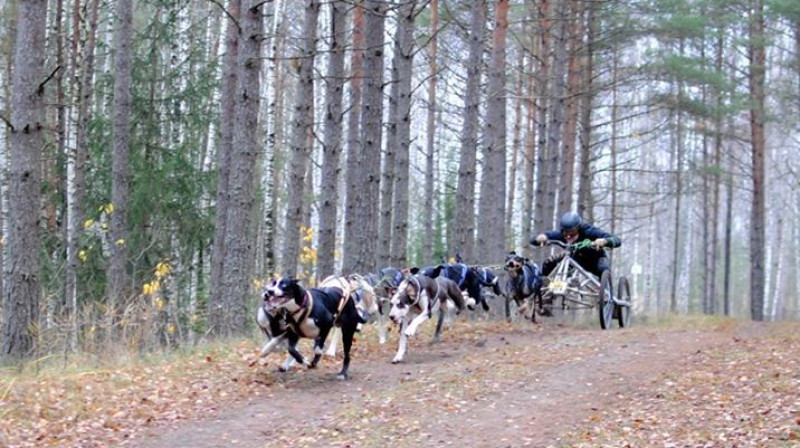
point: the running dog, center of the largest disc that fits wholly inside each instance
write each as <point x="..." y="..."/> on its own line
<point x="291" y="312"/>
<point x="384" y="283"/>
<point x="361" y="292"/>
<point x="470" y="279"/>
<point x="421" y="295"/>
<point x="523" y="285"/>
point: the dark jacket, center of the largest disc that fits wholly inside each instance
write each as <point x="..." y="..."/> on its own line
<point x="586" y="231"/>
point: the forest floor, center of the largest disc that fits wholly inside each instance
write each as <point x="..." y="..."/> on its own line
<point x="682" y="382"/>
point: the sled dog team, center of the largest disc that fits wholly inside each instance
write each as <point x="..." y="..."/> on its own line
<point x="290" y="311"/>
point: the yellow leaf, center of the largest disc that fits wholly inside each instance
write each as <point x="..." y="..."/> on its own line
<point x="88" y="223"/>
<point x="82" y="255"/>
<point x="120" y="242"/>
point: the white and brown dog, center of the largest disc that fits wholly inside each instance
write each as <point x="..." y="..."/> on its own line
<point x="421" y="295"/>
<point x="362" y="294"/>
<point x="291" y="312"/>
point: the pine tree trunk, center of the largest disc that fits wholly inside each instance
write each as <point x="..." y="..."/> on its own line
<point x="574" y="42"/>
<point x="585" y="201"/>
<point x="465" y="190"/>
<point x="371" y="138"/>
<point x="353" y="160"/>
<point x="332" y="141"/>
<point x="543" y="214"/>
<point x="119" y="288"/>
<point x="678" y="145"/>
<point x="433" y="54"/>
<point x="26" y="138"/>
<point x="491" y="230"/>
<point x="300" y="152"/>
<point x="757" y="53"/>
<point x="217" y="302"/>
<point x="83" y="63"/>
<point x="236" y="272"/>
<point x="405" y="65"/>
<point x="529" y="162"/>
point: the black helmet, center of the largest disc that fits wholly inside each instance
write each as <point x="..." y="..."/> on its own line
<point x="570" y="221"/>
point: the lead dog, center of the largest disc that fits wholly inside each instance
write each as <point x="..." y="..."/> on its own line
<point x="422" y="295"/>
<point x="291" y="312"/>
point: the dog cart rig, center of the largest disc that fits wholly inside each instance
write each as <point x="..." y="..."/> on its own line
<point x="576" y="288"/>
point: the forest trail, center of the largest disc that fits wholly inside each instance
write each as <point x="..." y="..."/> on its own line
<point x="499" y="386"/>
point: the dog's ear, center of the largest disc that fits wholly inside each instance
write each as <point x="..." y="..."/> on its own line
<point x="437" y="270"/>
<point x="513" y="252"/>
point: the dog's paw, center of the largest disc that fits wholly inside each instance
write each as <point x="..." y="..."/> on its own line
<point x="342" y="377"/>
<point x="409" y="332"/>
<point x="471" y="303"/>
<point x="397" y="360"/>
<point x="436" y="340"/>
<point x="485" y="306"/>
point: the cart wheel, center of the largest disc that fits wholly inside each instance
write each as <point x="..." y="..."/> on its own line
<point x="605" y="303"/>
<point x="624" y="295"/>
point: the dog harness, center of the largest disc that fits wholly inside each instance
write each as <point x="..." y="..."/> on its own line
<point x="303" y="312"/>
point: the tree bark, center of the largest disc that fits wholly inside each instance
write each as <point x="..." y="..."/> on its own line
<point x="574" y="42"/>
<point x="353" y="160"/>
<point x="371" y="138"/>
<point x="585" y="202"/>
<point x="757" y="56"/>
<point x="237" y="263"/>
<point x="27" y="127"/>
<point x="464" y="240"/>
<point x="332" y="142"/>
<point x="217" y="302"/>
<point x="301" y="152"/>
<point x="119" y="287"/>
<point x="405" y="64"/>
<point x="491" y="230"/>
<point x="83" y="63"/>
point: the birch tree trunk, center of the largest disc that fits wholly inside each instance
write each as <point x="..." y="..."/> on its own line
<point x="301" y="152"/>
<point x="353" y="160"/>
<point x="237" y="263"/>
<point x="332" y="141"/>
<point x="517" y="152"/>
<point x="26" y="138"/>
<point x="757" y="78"/>
<point x="491" y="230"/>
<point x="275" y="125"/>
<point x="464" y="240"/>
<point x="119" y="288"/>
<point x="217" y="302"/>
<point x="405" y="63"/>
<point x="371" y="138"/>
<point x="433" y="77"/>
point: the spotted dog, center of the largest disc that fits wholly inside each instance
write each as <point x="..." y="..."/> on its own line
<point x="420" y="295"/>
<point x="523" y="285"/>
<point x="291" y="312"/>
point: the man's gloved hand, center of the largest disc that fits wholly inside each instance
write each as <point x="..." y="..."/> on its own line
<point x="540" y="240"/>
<point x="599" y="243"/>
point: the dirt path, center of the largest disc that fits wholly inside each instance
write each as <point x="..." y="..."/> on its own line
<point x="505" y="386"/>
